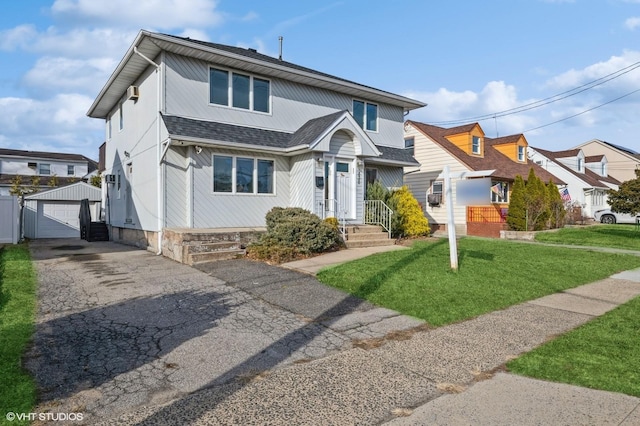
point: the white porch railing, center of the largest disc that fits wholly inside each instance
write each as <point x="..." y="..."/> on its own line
<point x="376" y="212"/>
<point x="331" y="208"/>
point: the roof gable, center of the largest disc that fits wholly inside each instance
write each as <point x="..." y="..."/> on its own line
<point x="504" y="167"/>
<point x="151" y="44"/>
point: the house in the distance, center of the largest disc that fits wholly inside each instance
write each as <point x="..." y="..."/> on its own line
<point x="469" y="154"/>
<point x="587" y="178"/>
<point x="621" y="162"/>
<point x="201" y="135"/>
<point x="39" y="171"/>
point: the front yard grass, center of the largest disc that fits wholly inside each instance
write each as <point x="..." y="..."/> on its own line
<point x="615" y="236"/>
<point x="492" y="275"/>
<point x="17" y="315"/>
<point x="602" y="354"/>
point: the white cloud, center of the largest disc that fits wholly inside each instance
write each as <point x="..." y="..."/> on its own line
<point x="162" y="14"/>
<point x="57" y="124"/>
<point x="496" y="96"/>
<point x="632" y="23"/>
<point x="17" y="37"/>
<point x="52" y="75"/>
<point x="625" y="82"/>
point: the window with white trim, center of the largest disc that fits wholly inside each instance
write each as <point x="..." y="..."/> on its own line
<point x="44" y="169"/>
<point x="243" y="175"/>
<point x="476" y="145"/>
<point x="521" y="156"/>
<point x="109" y="129"/>
<point x="236" y="90"/>
<point x="435" y="196"/>
<point x="71" y="170"/>
<point x="121" y="116"/>
<point x="409" y="145"/>
<point x="499" y="192"/>
<point x="366" y="115"/>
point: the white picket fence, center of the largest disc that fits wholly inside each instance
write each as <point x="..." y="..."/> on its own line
<point x="9" y="219"/>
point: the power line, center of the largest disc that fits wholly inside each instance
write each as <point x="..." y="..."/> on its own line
<point x="583" y="112"/>
<point x="549" y="100"/>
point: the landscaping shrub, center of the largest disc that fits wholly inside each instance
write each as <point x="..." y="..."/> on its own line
<point x="413" y="223"/>
<point x="294" y="232"/>
<point x="516" y="216"/>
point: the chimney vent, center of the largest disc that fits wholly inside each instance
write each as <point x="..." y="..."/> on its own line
<point x="280" y="40"/>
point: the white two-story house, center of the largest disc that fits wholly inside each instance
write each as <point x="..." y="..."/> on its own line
<point x="37" y="171"/>
<point x="201" y="135"/>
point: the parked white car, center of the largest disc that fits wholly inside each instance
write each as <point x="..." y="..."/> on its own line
<point x="608" y="216"/>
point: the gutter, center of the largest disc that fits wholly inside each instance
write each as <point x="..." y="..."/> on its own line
<point x="160" y="151"/>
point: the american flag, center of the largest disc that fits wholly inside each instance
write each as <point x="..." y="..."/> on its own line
<point x="564" y="194"/>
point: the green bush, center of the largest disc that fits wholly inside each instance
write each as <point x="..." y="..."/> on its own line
<point x="294" y="232"/>
<point x="412" y="222"/>
<point x="517" y="213"/>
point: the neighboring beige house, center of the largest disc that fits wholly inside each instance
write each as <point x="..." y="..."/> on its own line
<point x="466" y="149"/>
<point x="621" y="161"/>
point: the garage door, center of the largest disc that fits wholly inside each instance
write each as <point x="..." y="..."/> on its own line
<point x="58" y="219"/>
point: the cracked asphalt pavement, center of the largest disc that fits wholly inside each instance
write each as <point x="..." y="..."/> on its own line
<point x="119" y="328"/>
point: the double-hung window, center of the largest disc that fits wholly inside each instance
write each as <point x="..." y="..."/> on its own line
<point x="44" y="169"/>
<point x="71" y="170"/>
<point x="366" y="115"/>
<point x="499" y="192"/>
<point x="476" y="145"/>
<point x="521" y="153"/>
<point x="409" y="145"/>
<point x="242" y="175"/>
<point x="238" y="90"/>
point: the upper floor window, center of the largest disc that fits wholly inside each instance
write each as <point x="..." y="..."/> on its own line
<point x="521" y="153"/>
<point x="476" y="147"/>
<point x="579" y="164"/>
<point x="109" y="129"/>
<point x="366" y="115"/>
<point x="71" y="170"/>
<point x="239" y="90"/>
<point x="409" y="145"/>
<point x="603" y="170"/>
<point x="121" y="116"/>
<point x="44" y="169"/>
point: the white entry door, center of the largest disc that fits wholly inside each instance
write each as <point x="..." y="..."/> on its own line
<point x="340" y="191"/>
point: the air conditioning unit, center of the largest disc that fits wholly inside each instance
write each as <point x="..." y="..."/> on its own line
<point x="133" y="92"/>
<point x="111" y="179"/>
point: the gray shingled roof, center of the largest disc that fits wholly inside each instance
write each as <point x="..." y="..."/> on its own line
<point x="190" y="128"/>
<point x="395" y="154"/>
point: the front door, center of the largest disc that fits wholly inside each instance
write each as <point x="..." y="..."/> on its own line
<point x="340" y="190"/>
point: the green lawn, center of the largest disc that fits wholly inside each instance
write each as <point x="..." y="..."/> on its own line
<point x="602" y="354"/>
<point x="17" y="315"/>
<point x="493" y="274"/>
<point x="615" y="236"/>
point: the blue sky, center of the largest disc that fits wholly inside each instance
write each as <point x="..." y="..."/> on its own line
<point x="466" y="59"/>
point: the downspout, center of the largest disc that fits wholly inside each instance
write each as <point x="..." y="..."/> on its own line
<point x="159" y="150"/>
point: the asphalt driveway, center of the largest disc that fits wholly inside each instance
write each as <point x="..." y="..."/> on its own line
<point x="120" y="328"/>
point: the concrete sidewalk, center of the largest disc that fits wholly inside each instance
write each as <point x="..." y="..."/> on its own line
<point x="444" y="376"/>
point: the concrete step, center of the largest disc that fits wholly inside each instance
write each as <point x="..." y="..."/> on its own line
<point x="204" y="257"/>
<point x="367" y="236"/>
<point x="363" y="229"/>
<point x="371" y="243"/>
<point x="205" y="246"/>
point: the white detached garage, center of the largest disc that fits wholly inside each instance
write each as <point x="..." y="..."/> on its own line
<point x="55" y="213"/>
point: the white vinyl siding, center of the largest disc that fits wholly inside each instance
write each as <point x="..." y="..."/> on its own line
<point x="291" y="104"/>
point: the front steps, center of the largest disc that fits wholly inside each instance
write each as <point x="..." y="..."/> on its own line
<point x="367" y="236"/>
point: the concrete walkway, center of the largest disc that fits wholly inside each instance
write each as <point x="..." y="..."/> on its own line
<point x="241" y="342"/>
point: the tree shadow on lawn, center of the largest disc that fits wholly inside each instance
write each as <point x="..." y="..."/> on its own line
<point x="187" y="410"/>
<point x="83" y="350"/>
